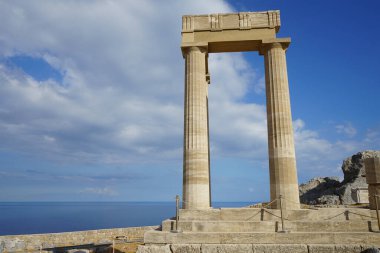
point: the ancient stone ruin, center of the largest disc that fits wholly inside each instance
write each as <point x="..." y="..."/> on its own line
<point x="280" y="226"/>
<point x="237" y="32"/>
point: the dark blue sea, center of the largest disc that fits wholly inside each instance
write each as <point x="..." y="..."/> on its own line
<point x="51" y="217"/>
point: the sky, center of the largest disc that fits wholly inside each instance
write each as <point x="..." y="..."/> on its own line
<point x="91" y="97"/>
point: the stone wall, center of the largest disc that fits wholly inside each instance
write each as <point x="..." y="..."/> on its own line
<point x="39" y="242"/>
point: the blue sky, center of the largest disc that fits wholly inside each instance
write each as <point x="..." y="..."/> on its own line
<point x="91" y="97"/>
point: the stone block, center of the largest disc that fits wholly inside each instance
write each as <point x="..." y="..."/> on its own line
<point x="321" y="248"/>
<point x="280" y="248"/>
<point x="168" y="225"/>
<point x="348" y="248"/>
<point x="186" y="248"/>
<point x="372" y="170"/>
<point x="227" y="248"/>
<point x="153" y="249"/>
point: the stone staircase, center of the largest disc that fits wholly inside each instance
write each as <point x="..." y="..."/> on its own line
<point x="261" y="230"/>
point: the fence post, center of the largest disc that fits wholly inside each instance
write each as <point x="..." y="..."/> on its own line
<point x="377" y="210"/>
<point x="177" y="212"/>
<point x="177" y="200"/>
<point x="282" y="217"/>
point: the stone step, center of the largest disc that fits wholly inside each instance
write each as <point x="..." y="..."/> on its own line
<point x="161" y="237"/>
<point x="258" y="248"/>
<point x="220" y="226"/>
<point x="331" y="226"/>
<point x="258" y="214"/>
<point x="271" y="226"/>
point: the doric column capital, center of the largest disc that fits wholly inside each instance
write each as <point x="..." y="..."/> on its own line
<point x="203" y="48"/>
<point x="273" y="43"/>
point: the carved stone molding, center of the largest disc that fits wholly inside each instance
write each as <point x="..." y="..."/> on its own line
<point x="230" y="21"/>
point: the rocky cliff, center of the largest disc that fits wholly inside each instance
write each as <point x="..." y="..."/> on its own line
<point x="330" y="191"/>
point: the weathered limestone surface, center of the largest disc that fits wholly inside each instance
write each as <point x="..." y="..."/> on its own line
<point x="320" y="190"/>
<point x="34" y="242"/>
<point x="339" y="248"/>
<point x="282" y="160"/>
<point x="354" y="174"/>
<point x="263" y="238"/>
<point x="257" y="214"/>
<point x="274" y="226"/>
<point x="329" y="191"/>
<point x="227" y="248"/>
<point x="186" y="248"/>
<point x="259" y="248"/>
<point x="257" y="230"/>
<point x="196" y="178"/>
<point x="230" y="32"/>
<point x="372" y="168"/>
<point x="154" y="249"/>
<point x="283" y="248"/>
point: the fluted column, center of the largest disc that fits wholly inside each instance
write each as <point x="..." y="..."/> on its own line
<point x="196" y="184"/>
<point x="282" y="161"/>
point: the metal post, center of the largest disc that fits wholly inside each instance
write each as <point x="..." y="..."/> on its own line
<point x="177" y="212"/>
<point x="377" y="210"/>
<point x="282" y="217"/>
<point x="176" y="230"/>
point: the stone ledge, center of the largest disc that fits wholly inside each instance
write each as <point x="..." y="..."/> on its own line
<point x="34" y="242"/>
<point x="159" y="237"/>
<point x="255" y="248"/>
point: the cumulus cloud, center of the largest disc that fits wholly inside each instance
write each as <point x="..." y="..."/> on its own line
<point x="120" y="98"/>
<point x="237" y="128"/>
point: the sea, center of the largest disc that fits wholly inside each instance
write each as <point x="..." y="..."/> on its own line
<point x="53" y="217"/>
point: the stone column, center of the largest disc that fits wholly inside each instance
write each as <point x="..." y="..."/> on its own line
<point x="196" y="184"/>
<point x="282" y="161"/>
<point x="372" y="171"/>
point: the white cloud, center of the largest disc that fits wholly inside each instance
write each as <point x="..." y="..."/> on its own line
<point x="259" y="87"/>
<point x="121" y="97"/>
<point x="236" y="127"/>
<point x="100" y="191"/>
<point x="346" y="129"/>
<point x="318" y="156"/>
<point x="372" y="135"/>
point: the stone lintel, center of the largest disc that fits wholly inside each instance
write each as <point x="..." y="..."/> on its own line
<point x="230" y="32"/>
<point x="231" y="21"/>
<point x="267" y="43"/>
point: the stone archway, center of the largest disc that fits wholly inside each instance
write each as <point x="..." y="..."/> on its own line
<point x="237" y="32"/>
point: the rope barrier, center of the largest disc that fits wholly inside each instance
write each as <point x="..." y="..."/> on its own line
<point x="264" y="208"/>
<point x="270" y="203"/>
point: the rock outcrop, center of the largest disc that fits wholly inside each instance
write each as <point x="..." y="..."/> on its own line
<point x="320" y="190"/>
<point x="330" y="191"/>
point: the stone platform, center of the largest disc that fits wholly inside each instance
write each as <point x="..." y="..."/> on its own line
<point x="260" y="230"/>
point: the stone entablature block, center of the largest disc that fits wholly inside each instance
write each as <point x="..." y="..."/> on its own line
<point x="231" y="21"/>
